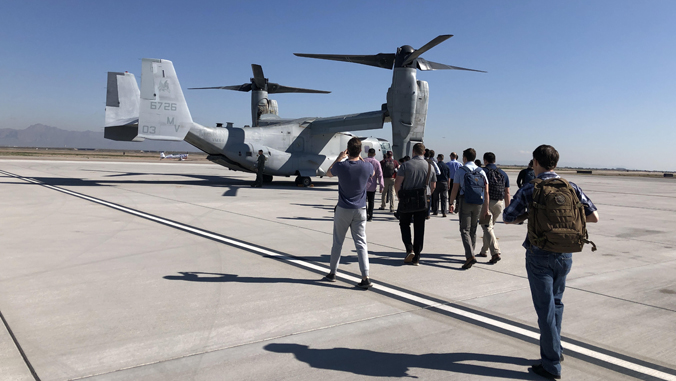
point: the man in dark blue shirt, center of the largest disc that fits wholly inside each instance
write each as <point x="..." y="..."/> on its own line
<point x="441" y="190"/>
<point x="353" y="175"/>
<point x="525" y="176"/>
<point x="546" y="270"/>
<point x="498" y="190"/>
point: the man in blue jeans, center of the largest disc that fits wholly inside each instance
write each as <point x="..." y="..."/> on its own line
<point x="546" y="270"/>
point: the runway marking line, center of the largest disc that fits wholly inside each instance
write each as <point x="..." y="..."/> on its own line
<point x="599" y="356"/>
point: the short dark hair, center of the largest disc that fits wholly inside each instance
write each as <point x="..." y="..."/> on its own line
<point x="547" y="156"/>
<point x="453" y="156"/>
<point x="354" y="147"/>
<point x="418" y="149"/>
<point x="530" y="164"/>
<point x="440" y="157"/>
<point x="389" y="153"/>
<point x="469" y="154"/>
<point x="431" y="153"/>
<point x="489" y="158"/>
<point x="260" y="150"/>
<point x="372" y="151"/>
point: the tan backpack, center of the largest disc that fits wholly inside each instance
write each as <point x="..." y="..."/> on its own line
<point x="556" y="218"/>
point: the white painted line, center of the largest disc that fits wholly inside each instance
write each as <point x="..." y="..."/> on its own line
<point x="403" y="295"/>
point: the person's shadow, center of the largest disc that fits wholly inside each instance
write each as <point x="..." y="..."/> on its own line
<point x="197" y="276"/>
<point x="380" y="364"/>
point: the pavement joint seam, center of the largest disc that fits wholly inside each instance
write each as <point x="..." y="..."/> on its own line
<point x="610" y="360"/>
<point x="18" y="347"/>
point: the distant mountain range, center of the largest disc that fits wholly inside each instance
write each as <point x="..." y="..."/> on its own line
<point x="39" y="135"/>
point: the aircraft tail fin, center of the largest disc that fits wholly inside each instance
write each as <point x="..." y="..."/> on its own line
<point x="122" y="107"/>
<point x="164" y="113"/>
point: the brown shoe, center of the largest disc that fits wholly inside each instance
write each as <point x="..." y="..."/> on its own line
<point x="482" y="255"/>
<point x="409" y="257"/>
<point x="468" y="264"/>
<point x="495" y="259"/>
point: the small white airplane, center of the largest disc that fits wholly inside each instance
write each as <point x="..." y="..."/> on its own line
<point x="180" y="157"/>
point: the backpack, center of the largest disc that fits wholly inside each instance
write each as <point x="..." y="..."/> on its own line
<point x="415" y="200"/>
<point x="556" y="219"/>
<point x="473" y="185"/>
<point x="496" y="184"/>
<point x="388" y="168"/>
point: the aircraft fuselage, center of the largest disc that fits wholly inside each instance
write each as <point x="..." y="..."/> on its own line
<point x="291" y="147"/>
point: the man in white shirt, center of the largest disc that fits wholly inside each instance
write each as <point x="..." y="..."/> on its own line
<point x="470" y="186"/>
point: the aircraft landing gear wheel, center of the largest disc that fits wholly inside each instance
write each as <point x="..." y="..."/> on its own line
<point x="304" y="181"/>
<point x="267" y="178"/>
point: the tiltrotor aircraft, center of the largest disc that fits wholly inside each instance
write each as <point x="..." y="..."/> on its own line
<point x="303" y="147"/>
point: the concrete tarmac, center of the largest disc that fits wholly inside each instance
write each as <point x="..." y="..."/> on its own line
<point x="179" y="271"/>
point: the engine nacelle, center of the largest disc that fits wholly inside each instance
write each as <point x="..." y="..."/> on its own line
<point x="407" y="102"/>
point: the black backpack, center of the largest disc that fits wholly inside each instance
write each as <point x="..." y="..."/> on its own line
<point x="496" y="184"/>
<point x="388" y="168"/>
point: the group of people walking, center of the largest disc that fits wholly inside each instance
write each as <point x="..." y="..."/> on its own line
<point x="557" y="212"/>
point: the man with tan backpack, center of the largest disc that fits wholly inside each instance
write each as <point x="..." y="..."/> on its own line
<point x="557" y="213"/>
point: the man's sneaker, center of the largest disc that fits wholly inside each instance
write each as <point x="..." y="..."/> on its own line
<point x="331" y="277"/>
<point x="494" y="259"/>
<point x="409" y="257"/>
<point x="365" y="284"/>
<point x="481" y="255"/>
<point x="541" y="371"/>
<point x="468" y="264"/>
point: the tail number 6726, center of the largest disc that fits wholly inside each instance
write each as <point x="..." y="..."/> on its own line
<point x="166" y="106"/>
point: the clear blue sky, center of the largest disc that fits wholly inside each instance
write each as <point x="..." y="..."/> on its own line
<point x="593" y="78"/>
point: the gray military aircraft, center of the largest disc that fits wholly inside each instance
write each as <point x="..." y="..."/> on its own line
<point x="304" y="147"/>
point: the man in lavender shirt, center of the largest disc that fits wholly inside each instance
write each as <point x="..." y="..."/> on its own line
<point x="374" y="181"/>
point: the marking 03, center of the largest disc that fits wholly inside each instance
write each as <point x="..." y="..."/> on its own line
<point x="148" y="129"/>
<point x="420" y="300"/>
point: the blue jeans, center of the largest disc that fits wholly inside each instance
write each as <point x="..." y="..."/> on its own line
<point x="547" y="277"/>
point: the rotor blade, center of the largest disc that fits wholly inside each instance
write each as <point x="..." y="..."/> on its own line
<point x="259" y="77"/>
<point x="438" y="40"/>
<point x="245" y="87"/>
<point x="425" y="65"/>
<point x="276" y="88"/>
<point x="383" y="60"/>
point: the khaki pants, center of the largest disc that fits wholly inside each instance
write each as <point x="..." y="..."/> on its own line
<point x="388" y="194"/>
<point x="469" y="220"/>
<point x="495" y="209"/>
